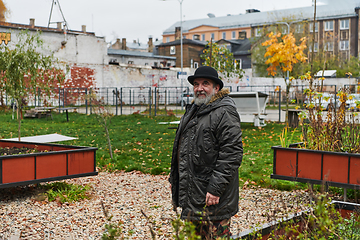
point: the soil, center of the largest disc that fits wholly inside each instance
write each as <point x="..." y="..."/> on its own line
<point x="15" y="150"/>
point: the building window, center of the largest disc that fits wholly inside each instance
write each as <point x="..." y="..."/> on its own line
<point x="329" y="46"/>
<point x="196" y="64"/>
<point x="329" y="25"/>
<point x="283" y="29"/>
<point x="202" y="37"/>
<point x="311" y="25"/>
<point x="344" y="45"/>
<point x="213" y="36"/>
<point x="242" y="35"/>
<point x="224" y="35"/>
<point x="196" y="37"/>
<point x="344" y="24"/>
<point x="316" y="46"/>
<point x="257" y="32"/>
<point x="130" y="62"/>
<point x="233" y="34"/>
<point x="172" y="50"/>
<point x="167" y="39"/>
<point x="238" y="63"/>
<point x="344" y="35"/>
<point x="146" y="64"/>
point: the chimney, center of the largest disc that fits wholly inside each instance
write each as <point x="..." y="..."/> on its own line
<point x="83" y="28"/>
<point x="59" y="25"/>
<point x="32" y="22"/>
<point x="117" y="44"/>
<point x="150" y="43"/>
<point x="123" y="45"/>
<point x="177" y="33"/>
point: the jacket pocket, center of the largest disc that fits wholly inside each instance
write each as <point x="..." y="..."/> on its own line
<point x="198" y="191"/>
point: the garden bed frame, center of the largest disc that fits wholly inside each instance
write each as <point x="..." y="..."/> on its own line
<point x="336" y="169"/>
<point x="61" y="162"/>
<point x="345" y="209"/>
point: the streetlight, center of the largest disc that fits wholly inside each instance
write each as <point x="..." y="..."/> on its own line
<point x="181" y="50"/>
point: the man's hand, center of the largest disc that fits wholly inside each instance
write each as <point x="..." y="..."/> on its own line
<point x="211" y="199"/>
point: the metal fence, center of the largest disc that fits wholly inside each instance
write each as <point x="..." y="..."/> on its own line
<point x="158" y="100"/>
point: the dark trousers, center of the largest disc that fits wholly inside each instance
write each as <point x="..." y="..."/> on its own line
<point x="209" y="230"/>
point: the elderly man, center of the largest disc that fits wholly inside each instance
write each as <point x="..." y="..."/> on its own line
<point x="206" y="156"/>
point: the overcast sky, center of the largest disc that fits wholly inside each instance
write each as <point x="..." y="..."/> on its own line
<point x="134" y="19"/>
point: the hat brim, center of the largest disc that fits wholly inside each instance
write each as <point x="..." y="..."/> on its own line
<point x="216" y="80"/>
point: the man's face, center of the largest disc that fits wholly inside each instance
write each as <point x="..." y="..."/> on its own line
<point x="204" y="89"/>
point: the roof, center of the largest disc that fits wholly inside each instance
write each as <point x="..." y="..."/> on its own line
<point x="327" y="73"/>
<point x="43" y="29"/>
<point x="137" y="54"/>
<point x="185" y="41"/>
<point x="332" y="9"/>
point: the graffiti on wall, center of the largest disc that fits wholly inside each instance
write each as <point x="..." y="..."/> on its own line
<point x="5" y="37"/>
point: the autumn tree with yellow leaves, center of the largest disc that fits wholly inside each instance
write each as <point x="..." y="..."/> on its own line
<point x="282" y="54"/>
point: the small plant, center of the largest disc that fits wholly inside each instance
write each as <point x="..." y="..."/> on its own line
<point x="285" y="140"/>
<point x="112" y="230"/>
<point x="65" y="192"/>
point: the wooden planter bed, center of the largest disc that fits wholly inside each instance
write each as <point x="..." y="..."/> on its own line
<point x="61" y="162"/>
<point x="345" y="209"/>
<point x="336" y="169"/>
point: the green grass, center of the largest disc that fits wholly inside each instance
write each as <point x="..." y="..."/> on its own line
<point x="140" y="143"/>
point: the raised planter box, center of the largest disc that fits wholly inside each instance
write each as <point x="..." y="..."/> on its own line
<point x="316" y="167"/>
<point x="345" y="209"/>
<point x="62" y="162"/>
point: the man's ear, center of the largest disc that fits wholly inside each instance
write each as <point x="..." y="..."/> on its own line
<point x="217" y="87"/>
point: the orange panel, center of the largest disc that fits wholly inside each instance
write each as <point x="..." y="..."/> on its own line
<point x="309" y="165"/>
<point x="355" y="170"/>
<point x="81" y="162"/>
<point x="285" y="162"/>
<point x="52" y="165"/>
<point x="335" y="168"/>
<point x="18" y="169"/>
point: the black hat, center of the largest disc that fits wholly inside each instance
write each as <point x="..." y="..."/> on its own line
<point x="206" y="72"/>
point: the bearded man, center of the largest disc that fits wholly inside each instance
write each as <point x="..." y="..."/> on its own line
<point x="206" y="156"/>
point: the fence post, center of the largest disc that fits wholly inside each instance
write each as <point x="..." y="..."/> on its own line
<point x="121" y="101"/>
<point x="86" y="102"/>
<point x="116" y="101"/>
<point x="130" y="98"/>
<point x="155" y="101"/>
<point x="279" y="104"/>
<point x="90" y="101"/>
<point x="149" y="101"/>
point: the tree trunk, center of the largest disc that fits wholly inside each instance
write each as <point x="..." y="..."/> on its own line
<point x="19" y="123"/>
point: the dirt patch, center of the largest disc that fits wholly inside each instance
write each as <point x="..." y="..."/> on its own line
<point x="15" y="150"/>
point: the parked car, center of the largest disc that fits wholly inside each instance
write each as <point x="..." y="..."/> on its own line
<point x="186" y="98"/>
<point x="326" y="99"/>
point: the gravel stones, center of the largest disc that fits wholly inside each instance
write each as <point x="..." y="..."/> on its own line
<point x="124" y="196"/>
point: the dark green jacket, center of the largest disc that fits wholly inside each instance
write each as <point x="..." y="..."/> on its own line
<point x="206" y="156"/>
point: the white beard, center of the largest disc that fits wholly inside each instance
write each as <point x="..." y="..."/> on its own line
<point x="198" y="101"/>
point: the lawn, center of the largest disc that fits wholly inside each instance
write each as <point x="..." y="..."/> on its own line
<point x="140" y="143"/>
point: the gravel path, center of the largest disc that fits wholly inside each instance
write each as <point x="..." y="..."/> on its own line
<point x="124" y="196"/>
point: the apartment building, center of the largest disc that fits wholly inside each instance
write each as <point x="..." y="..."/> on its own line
<point x="336" y="27"/>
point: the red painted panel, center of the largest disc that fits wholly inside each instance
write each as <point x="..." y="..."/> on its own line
<point x="335" y="168"/>
<point x="81" y="162"/>
<point x="355" y="170"/>
<point x="285" y="163"/>
<point x="309" y="165"/>
<point x="18" y="169"/>
<point x="48" y="166"/>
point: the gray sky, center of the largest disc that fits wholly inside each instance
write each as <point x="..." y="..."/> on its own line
<point x="134" y="19"/>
